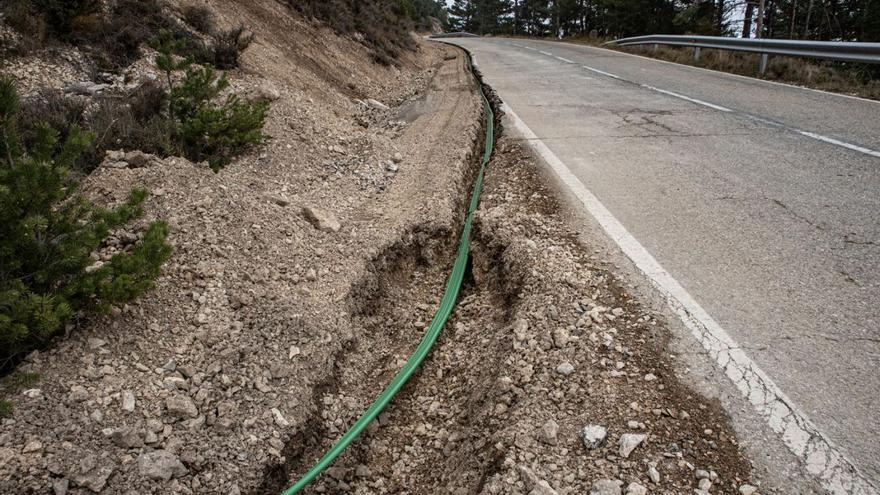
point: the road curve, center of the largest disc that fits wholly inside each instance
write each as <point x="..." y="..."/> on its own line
<point x="761" y="200"/>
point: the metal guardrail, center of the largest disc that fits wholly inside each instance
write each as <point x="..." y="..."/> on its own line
<point x="845" y="51"/>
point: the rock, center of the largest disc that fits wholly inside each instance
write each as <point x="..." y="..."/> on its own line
<point x="629" y="442"/>
<point x="748" y="489"/>
<point x="59" y="486"/>
<point x="78" y="393"/>
<point x="126" y="437"/>
<point x="560" y="337"/>
<point x="701" y="474"/>
<point x="95" y="479"/>
<point x="565" y="369"/>
<point x="294" y="351"/>
<point x="650" y="377"/>
<point x="376" y="104"/>
<point x="85" y="88"/>
<point x="279" y="418"/>
<point x="160" y="465"/>
<point x="137" y="159"/>
<point x="636" y="489"/>
<point x="606" y="487"/>
<point x="128" y="401"/>
<point x="391" y="167"/>
<point x="32" y="446"/>
<point x="397" y="158"/>
<point x="704" y="485"/>
<point x="593" y="436"/>
<point x="32" y="393"/>
<point x="542" y="488"/>
<point x="181" y="406"/>
<point x="321" y="219"/>
<point x="278" y="199"/>
<point x="548" y="432"/>
<point x="265" y="92"/>
<point x="95" y="344"/>
<point x="654" y="475"/>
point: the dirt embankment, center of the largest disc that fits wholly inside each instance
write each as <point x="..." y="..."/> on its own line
<point x="206" y="382"/>
<point x="270" y="331"/>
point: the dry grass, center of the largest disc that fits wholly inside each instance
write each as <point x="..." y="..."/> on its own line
<point x="847" y="78"/>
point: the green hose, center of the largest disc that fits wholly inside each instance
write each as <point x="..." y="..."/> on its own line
<point x="446" y="304"/>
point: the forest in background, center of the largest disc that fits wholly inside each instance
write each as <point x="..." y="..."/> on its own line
<point x="843" y="20"/>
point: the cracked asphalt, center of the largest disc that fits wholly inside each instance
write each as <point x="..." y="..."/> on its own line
<point x="737" y="188"/>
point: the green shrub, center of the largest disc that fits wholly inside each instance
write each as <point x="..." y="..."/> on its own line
<point x="209" y="131"/>
<point x="206" y="129"/>
<point x="48" y="233"/>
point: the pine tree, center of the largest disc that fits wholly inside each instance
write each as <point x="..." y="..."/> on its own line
<point x="48" y="233"/>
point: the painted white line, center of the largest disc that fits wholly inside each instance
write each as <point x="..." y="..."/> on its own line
<point x="564" y="60"/>
<point x="597" y="71"/>
<point x="820" y="457"/>
<point x="718" y="72"/>
<point x="687" y="98"/>
<point x="545" y="53"/>
<point x="827" y="139"/>
<point x="812" y="135"/>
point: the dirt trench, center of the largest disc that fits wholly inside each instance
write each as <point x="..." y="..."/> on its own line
<point x="493" y="408"/>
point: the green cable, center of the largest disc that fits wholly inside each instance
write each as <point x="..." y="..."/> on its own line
<point x="446" y="304"/>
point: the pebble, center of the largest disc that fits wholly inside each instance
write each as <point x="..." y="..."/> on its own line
<point x="654" y="475"/>
<point x="160" y="465"/>
<point x="748" y="489"/>
<point x="593" y="436"/>
<point x="704" y="484"/>
<point x="323" y="220"/>
<point x="32" y="446"/>
<point x="279" y="418"/>
<point x="542" y="487"/>
<point x="548" y="432"/>
<point x="606" y="487"/>
<point x="636" y="489"/>
<point x="128" y="401"/>
<point x="181" y="406"/>
<point x="565" y="369"/>
<point x="629" y="442"/>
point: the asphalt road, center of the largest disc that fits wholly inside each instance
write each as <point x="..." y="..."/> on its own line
<point x="762" y="200"/>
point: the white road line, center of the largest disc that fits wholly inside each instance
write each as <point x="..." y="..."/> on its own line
<point x="564" y="60"/>
<point x="597" y="71"/>
<point x="687" y="98"/>
<point x="820" y="457"/>
<point x="827" y="139"/>
<point x="812" y="135"/>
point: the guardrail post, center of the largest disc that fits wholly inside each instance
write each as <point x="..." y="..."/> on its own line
<point x="656" y="46"/>
<point x="762" y="66"/>
<point x="696" y="54"/>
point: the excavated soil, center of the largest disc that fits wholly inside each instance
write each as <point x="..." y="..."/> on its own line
<point x="489" y="411"/>
<point x="265" y="337"/>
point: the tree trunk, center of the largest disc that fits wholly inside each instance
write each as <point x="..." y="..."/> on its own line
<point x="807" y="21"/>
<point x="793" y="14"/>
<point x="747" y="20"/>
<point x="759" y="27"/>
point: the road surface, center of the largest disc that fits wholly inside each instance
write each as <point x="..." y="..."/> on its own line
<point x="761" y="200"/>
